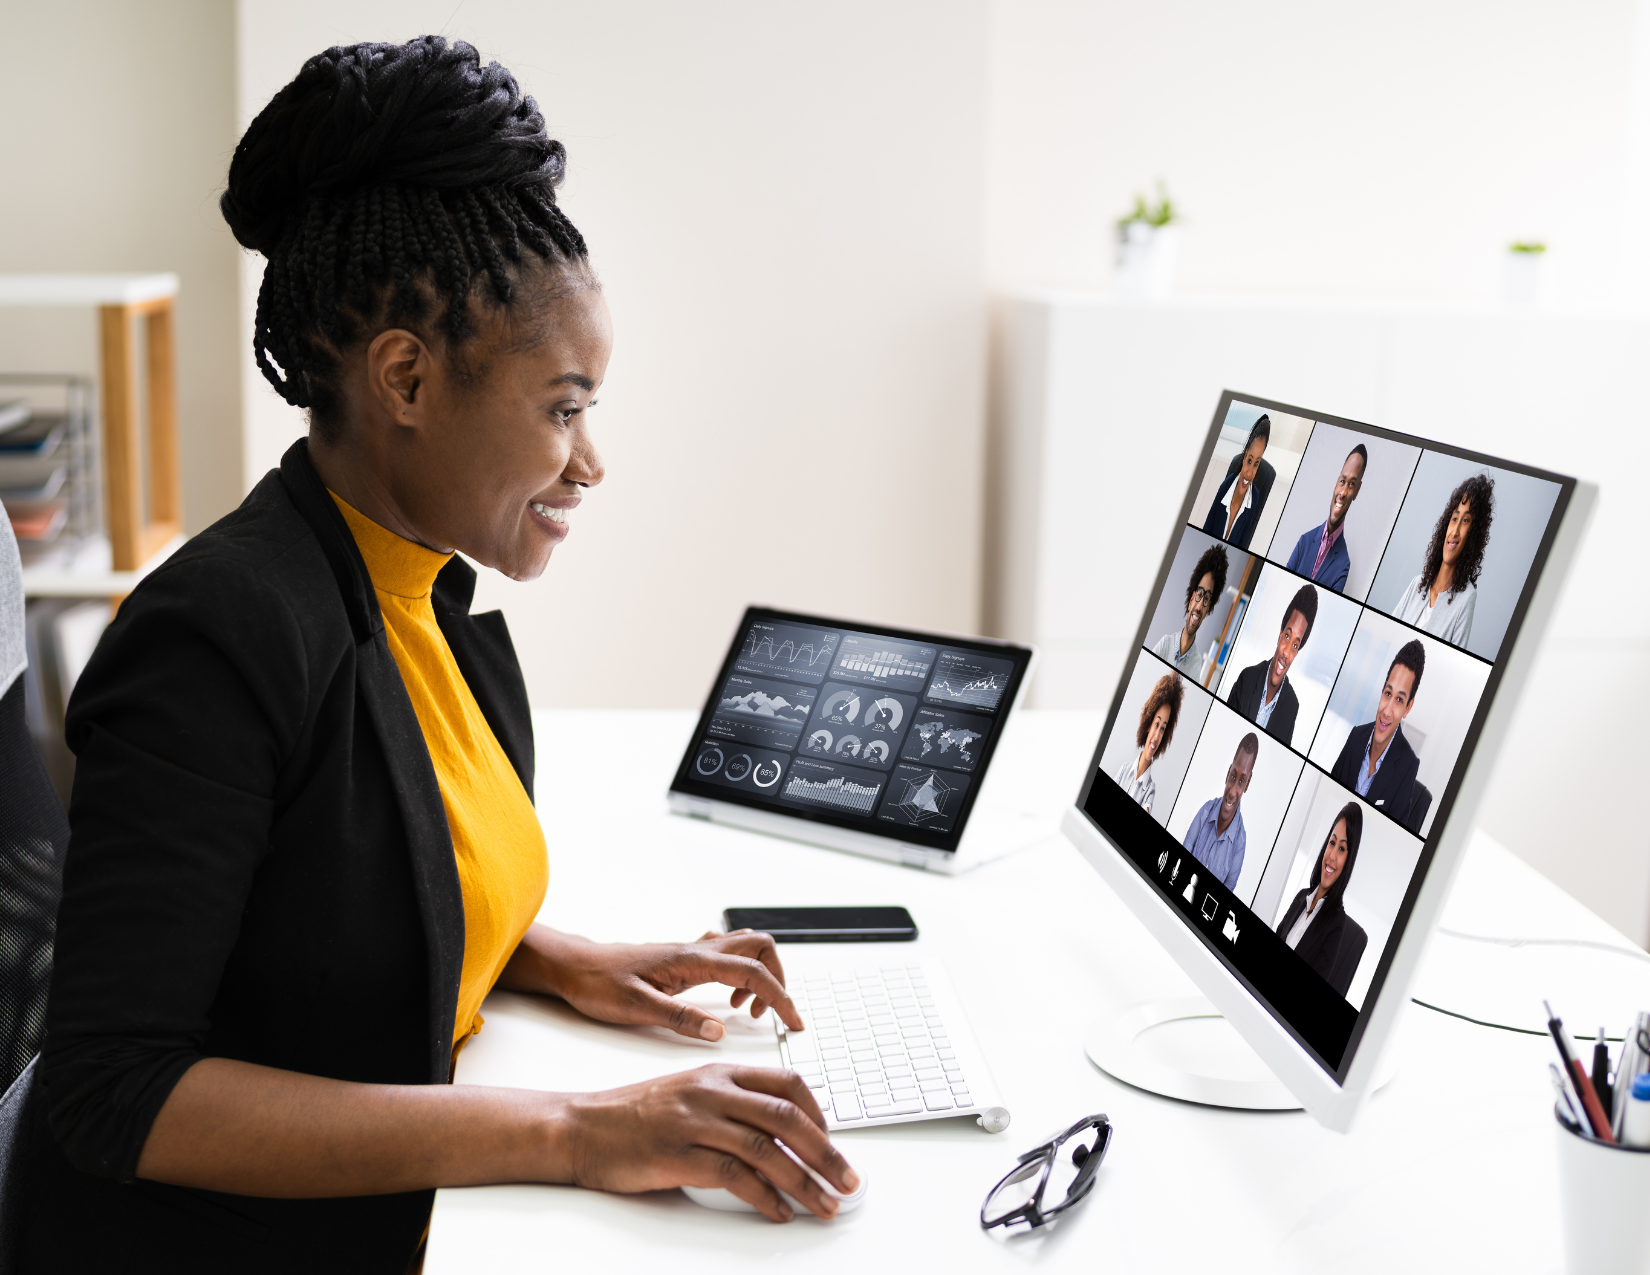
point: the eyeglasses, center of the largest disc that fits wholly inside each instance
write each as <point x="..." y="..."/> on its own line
<point x="1044" y="1172"/>
<point x="1203" y="596"/>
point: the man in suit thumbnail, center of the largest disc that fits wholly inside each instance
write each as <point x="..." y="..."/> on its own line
<point x="1262" y="692"/>
<point x="1376" y="761"/>
<point x="1216" y="837"/>
<point x="1321" y="554"/>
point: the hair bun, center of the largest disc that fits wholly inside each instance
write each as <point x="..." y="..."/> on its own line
<point x="425" y="113"/>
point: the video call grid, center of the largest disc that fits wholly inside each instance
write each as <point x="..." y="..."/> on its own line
<point x="1228" y="671"/>
<point x="832" y="647"/>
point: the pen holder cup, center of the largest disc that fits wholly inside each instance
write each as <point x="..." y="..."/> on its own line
<point x="1604" y="1197"/>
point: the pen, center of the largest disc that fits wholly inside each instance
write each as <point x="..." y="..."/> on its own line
<point x="1601" y="1078"/>
<point x="1578" y="1077"/>
<point x="1567" y="1111"/>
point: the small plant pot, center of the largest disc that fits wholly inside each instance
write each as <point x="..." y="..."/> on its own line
<point x="1521" y="279"/>
<point x="1146" y="256"/>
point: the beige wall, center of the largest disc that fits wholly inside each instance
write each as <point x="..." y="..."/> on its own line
<point x="119" y="125"/>
<point x="784" y="202"/>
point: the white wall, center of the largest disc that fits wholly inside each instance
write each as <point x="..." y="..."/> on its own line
<point x="1376" y="148"/>
<point x="785" y="205"/>
<point x="118" y="128"/>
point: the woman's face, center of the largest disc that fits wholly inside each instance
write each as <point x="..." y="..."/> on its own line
<point x="1334" y="856"/>
<point x="488" y="450"/>
<point x="1156" y="731"/>
<point x="1455" y="535"/>
<point x="1251" y="462"/>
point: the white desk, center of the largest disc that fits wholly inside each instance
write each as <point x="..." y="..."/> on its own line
<point x="1449" y="1168"/>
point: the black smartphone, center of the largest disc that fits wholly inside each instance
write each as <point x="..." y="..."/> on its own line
<point x="825" y="925"/>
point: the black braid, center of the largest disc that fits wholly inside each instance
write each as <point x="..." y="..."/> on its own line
<point x="390" y="186"/>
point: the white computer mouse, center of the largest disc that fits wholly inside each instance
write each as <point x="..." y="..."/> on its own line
<point x="716" y="1197"/>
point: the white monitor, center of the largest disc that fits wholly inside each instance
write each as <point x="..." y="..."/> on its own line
<point x="1295" y="752"/>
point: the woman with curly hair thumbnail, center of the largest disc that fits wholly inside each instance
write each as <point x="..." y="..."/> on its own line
<point x="1441" y="598"/>
<point x="1156" y="730"/>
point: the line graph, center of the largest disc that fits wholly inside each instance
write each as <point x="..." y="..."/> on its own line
<point x="787" y="651"/>
<point x="961" y="677"/>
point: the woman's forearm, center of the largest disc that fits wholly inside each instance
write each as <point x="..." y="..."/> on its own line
<point x="250" y="1130"/>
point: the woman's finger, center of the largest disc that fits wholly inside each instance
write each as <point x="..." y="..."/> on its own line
<point x="652" y="1007"/>
<point x="795" y="1120"/>
<point x="756" y="1148"/>
<point x="747" y="974"/>
<point x="754" y="943"/>
<point x="710" y="1168"/>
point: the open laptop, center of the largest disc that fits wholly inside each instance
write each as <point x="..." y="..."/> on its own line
<point x="861" y="737"/>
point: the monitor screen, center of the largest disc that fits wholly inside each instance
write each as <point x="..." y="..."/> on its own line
<point x="1314" y="665"/>
<point x="879" y="730"/>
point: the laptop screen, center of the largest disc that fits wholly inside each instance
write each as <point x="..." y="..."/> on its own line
<point x="1327" y="631"/>
<point x="880" y="730"/>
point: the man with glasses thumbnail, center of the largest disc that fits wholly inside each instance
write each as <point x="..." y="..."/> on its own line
<point x="1321" y="554"/>
<point x="1262" y="692"/>
<point x="1202" y="592"/>
<point x="1216" y="838"/>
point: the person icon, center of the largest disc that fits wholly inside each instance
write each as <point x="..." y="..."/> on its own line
<point x="1321" y="554"/>
<point x="1208" y="582"/>
<point x="1216" y="837"/>
<point x="1191" y="890"/>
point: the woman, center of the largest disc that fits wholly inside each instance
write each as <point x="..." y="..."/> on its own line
<point x="303" y="846"/>
<point x="1241" y="499"/>
<point x="1440" y="600"/>
<point x="1156" y="730"/>
<point x="1316" y="924"/>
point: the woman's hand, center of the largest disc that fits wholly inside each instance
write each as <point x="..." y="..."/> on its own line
<point x="638" y="982"/>
<point x="714" y="1127"/>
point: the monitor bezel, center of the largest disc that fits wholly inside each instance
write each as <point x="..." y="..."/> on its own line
<point x="1332" y="1093"/>
<point x="945" y="844"/>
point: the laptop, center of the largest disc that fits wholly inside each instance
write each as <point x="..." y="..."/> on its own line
<point x="866" y="738"/>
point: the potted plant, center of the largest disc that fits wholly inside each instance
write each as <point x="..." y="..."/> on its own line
<point x="1521" y="275"/>
<point x="1148" y="240"/>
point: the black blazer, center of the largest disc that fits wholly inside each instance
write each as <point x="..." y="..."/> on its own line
<point x="1246" y="698"/>
<point x="1333" y="943"/>
<point x="1244" y="528"/>
<point x="259" y="868"/>
<point x="1392" y="791"/>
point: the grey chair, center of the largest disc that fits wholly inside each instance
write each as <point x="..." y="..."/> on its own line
<point x="34" y="833"/>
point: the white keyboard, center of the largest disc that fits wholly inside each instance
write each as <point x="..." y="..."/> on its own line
<point x="886" y="1041"/>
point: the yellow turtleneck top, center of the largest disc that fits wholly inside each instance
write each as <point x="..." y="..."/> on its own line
<point x="497" y="840"/>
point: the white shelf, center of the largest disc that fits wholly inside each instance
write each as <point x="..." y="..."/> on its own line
<point x="69" y="582"/>
<point x="85" y="289"/>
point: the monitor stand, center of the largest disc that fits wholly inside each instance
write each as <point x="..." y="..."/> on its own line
<point x="1184" y="1049"/>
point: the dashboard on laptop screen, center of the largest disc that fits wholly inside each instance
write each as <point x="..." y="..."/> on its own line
<point x="1323" y="641"/>
<point x="879" y="730"/>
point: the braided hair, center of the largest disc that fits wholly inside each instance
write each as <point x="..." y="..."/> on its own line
<point x="386" y="186"/>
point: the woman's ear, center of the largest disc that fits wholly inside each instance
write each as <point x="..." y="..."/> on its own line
<point x="398" y="365"/>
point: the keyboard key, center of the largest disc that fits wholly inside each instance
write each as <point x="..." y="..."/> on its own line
<point x="961" y="1098"/>
<point x="847" y="1107"/>
<point x="876" y="1110"/>
<point x="847" y="1086"/>
<point x="938" y="1085"/>
<point x="862" y="1055"/>
<point x="929" y="1073"/>
<point x="872" y="1068"/>
<point x="906" y="1095"/>
<point x="939" y="1101"/>
<point x="946" y="1055"/>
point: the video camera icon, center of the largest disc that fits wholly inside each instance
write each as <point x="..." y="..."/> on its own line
<point x="1230" y="930"/>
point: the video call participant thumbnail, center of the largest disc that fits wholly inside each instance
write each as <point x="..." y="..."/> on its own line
<point x="1242" y="497"/>
<point x="1321" y="554"/>
<point x="1316" y="924"/>
<point x="1262" y="692"/>
<point x="1376" y="761"/>
<point x="1441" y="598"/>
<point x="1208" y="582"/>
<point x="1156" y="732"/>
<point x="1216" y="838"/>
